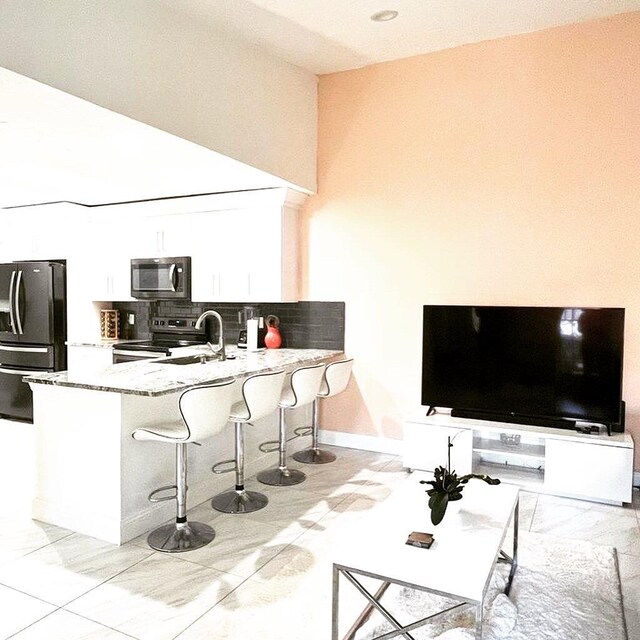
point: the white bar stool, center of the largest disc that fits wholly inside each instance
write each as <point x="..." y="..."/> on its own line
<point x="335" y="381"/>
<point x="303" y="385"/>
<point x="261" y="394"/>
<point x="205" y="412"/>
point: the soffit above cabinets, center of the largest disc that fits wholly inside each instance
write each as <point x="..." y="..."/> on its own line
<point x="59" y="147"/>
<point x="325" y="36"/>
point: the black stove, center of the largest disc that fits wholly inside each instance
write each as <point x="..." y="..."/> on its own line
<point x="167" y="334"/>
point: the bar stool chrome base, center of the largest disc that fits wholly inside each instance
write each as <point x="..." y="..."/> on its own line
<point x="281" y="477"/>
<point x="180" y="536"/>
<point x="314" y="456"/>
<point x="239" y="501"/>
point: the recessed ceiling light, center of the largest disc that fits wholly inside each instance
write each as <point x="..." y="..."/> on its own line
<point x="384" y="16"/>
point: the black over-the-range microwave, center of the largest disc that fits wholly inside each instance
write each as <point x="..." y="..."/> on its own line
<point x="161" y="278"/>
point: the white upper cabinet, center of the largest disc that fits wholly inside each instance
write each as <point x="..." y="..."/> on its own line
<point x="44" y="232"/>
<point x="247" y="254"/>
<point x="243" y="245"/>
<point x="102" y="256"/>
<point x="161" y="236"/>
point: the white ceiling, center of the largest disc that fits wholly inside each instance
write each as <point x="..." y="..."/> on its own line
<point x="55" y="146"/>
<point x="325" y="36"/>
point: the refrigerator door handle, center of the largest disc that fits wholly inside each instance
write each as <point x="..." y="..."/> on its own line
<point x="21" y="372"/>
<point x="18" y="318"/>
<point x="24" y="349"/>
<point x="11" y="302"/>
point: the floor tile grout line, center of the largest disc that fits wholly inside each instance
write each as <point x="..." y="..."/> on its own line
<point x="115" y="575"/>
<point x="73" y="613"/>
<point x="61" y="608"/>
<point x="28" y="594"/>
<point x="106" y="626"/>
<point x="533" y="515"/>
<point x="44" y="546"/>
<point x="13" y="635"/>
<point x="212" y="607"/>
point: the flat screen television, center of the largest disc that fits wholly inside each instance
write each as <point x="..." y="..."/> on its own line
<point x="545" y="366"/>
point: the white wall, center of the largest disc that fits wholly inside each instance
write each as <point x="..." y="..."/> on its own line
<point x="162" y="67"/>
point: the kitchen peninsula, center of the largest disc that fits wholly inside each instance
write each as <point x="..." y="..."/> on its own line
<point x="93" y="478"/>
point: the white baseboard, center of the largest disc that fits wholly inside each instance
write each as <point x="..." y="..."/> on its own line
<point x="357" y="441"/>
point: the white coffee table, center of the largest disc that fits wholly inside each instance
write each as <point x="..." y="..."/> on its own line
<point x="459" y="564"/>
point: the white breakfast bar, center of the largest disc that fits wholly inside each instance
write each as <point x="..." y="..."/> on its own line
<point x="93" y="478"/>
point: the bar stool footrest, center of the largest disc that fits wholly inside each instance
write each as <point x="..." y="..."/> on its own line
<point x="218" y="471"/>
<point x="302" y="431"/>
<point x="270" y="446"/>
<point x="152" y="495"/>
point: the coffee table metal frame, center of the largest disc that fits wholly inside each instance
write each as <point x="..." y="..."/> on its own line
<point x="350" y="574"/>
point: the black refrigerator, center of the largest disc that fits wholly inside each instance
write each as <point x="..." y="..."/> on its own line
<point x="33" y="330"/>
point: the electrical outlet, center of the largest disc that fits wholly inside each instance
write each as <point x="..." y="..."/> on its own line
<point x="131" y="318"/>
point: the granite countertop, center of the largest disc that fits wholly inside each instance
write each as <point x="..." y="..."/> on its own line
<point x="101" y="343"/>
<point x="151" y="378"/>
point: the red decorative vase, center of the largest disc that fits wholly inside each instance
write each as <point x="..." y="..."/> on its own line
<point x="273" y="339"/>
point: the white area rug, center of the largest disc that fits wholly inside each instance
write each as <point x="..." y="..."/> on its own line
<point x="562" y="590"/>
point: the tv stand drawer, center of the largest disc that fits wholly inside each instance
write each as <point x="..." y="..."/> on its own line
<point x="589" y="470"/>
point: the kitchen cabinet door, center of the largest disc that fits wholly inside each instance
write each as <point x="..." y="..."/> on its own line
<point x="113" y="284"/>
<point x="245" y="255"/>
<point x="102" y="270"/>
<point x="220" y="269"/>
<point x="162" y="236"/>
<point x="273" y="255"/>
<point x="45" y="232"/>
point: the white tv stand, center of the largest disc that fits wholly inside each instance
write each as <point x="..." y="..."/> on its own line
<point x="556" y="461"/>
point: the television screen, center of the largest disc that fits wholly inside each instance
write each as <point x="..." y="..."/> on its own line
<point x="546" y="362"/>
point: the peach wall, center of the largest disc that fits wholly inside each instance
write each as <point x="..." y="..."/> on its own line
<point x="504" y="172"/>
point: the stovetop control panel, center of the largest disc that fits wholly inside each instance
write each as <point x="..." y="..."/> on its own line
<point x="174" y="324"/>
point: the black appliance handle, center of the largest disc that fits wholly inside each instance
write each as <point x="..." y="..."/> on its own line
<point x="18" y="318"/>
<point x="172" y="277"/>
<point x="12" y="316"/>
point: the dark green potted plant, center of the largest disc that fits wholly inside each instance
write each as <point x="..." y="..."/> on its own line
<point x="447" y="487"/>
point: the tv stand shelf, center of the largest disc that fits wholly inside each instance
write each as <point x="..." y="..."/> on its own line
<point x="561" y="462"/>
<point x="522" y="450"/>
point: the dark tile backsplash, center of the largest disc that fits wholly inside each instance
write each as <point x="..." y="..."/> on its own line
<point x="303" y="325"/>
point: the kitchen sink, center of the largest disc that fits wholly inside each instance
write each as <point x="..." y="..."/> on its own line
<point x="198" y="358"/>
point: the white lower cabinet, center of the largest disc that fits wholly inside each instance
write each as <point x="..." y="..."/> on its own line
<point x="555" y="461"/>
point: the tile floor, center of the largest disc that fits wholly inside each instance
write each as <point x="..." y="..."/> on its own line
<point x="264" y="576"/>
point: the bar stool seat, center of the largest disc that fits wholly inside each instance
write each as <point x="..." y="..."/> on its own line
<point x="260" y="396"/>
<point x="205" y="412"/>
<point x="301" y="389"/>
<point x="335" y="381"/>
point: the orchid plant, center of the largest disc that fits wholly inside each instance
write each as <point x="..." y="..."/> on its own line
<point x="447" y="487"/>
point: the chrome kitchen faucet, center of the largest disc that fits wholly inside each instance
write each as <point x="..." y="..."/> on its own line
<point x="218" y="349"/>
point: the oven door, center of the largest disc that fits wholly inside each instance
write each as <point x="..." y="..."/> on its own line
<point x="161" y="278"/>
